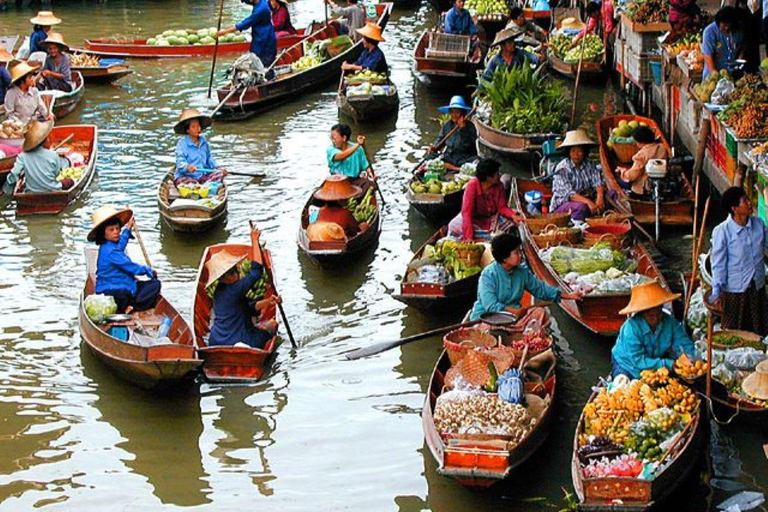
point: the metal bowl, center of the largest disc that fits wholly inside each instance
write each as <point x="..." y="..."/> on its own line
<point x="501" y="318"/>
<point x="118" y="317"/>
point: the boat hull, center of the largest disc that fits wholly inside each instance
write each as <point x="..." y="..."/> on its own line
<point x="66" y="104"/>
<point x="368" y="108"/>
<point x="437" y="208"/>
<point x="190" y="219"/>
<point x="509" y="144"/>
<point x="443" y="73"/>
<point x="589" y="70"/>
<point x="104" y="75"/>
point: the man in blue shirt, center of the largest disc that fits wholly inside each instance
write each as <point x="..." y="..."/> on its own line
<point x="738" y="265"/>
<point x="263" y="40"/>
<point x="510" y="55"/>
<point x="722" y="42"/>
<point x="650" y="339"/>
<point x="459" y="22"/>
<point x="372" y="57"/>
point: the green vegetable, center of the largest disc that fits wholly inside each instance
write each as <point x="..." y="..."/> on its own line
<point x="493" y="382"/>
<point x="98" y="306"/>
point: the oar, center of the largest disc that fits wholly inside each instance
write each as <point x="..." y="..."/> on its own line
<point x="66" y="139"/>
<point x="373" y="175"/>
<point x="141" y="243"/>
<point x="249" y="175"/>
<point x="384" y="346"/>
<point x="442" y="141"/>
<point x="695" y="262"/>
<point x="226" y="99"/>
<point x="272" y="281"/>
<point x="215" y="49"/>
<point x="578" y="79"/>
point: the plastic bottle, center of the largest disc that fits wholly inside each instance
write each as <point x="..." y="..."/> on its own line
<point x="165" y="327"/>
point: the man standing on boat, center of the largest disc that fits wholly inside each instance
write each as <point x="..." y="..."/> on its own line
<point x="263" y="40"/>
<point x="353" y="14"/>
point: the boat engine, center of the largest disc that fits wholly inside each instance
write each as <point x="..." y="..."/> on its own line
<point x="246" y="71"/>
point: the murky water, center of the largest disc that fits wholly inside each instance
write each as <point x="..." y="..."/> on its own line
<point x="319" y="432"/>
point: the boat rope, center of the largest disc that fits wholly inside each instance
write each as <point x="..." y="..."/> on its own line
<point x="712" y="410"/>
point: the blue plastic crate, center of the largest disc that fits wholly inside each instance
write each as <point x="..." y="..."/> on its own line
<point x="656" y="70"/>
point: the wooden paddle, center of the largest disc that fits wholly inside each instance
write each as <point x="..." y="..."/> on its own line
<point x="215" y="49"/>
<point x="238" y="173"/>
<point x="442" y="141"/>
<point x="66" y="139"/>
<point x="373" y="175"/>
<point x="141" y="243"/>
<point x="578" y="79"/>
<point x="695" y="262"/>
<point x="271" y="279"/>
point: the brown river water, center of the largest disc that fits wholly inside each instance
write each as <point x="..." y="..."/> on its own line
<point x="319" y="432"/>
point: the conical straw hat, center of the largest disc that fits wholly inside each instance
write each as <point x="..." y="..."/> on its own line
<point x="189" y="114"/>
<point x="756" y="384"/>
<point x="56" y="38"/>
<point x="576" y="138"/>
<point x="103" y="214"/>
<point x="571" y="24"/>
<point x="45" y="19"/>
<point x="36" y="133"/>
<point x="337" y="187"/>
<point x="371" y="31"/>
<point x="219" y="264"/>
<point x="506" y="34"/>
<point x="323" y="231"/>
<point x="20" y="70"/>
<point x="648" y="296"/>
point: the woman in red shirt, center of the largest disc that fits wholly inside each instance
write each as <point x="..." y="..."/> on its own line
<point x="281" y="19"/>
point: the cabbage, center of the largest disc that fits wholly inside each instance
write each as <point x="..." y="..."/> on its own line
<point x="98" y="306"/>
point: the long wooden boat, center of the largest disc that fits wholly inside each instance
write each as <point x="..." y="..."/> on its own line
<point x="432" y="296"/>
<point x="85" y="141"/>
<point x="156" y="365"/>
<point x="597" y="312"/>
<point x="482" y="460"/>
<point x="511" y="144"/>
<point x="628" y="494"/>
<point x="138" y="48"/>
<point x="338" y="251"/>
<point x="438" y="208"/>
<point x="103" y="74"/>
<point x="225" y="363"/>
<point x="189" y="218"/>
<point x="443" y="71"/>
<point x="285" y="87"/>
<point x="64" y="104"/>
<point x="589" y="69"/>
<point x="678" y="212"/>
<point x="370" y="107"/>
<point x="6" y="164"/>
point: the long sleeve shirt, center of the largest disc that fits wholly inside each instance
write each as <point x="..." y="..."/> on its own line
<point x="462" y="146"/>
<point x="351" y="166"/>
<point x="263" y="40"/>
<point x="499" y="289"/>
<point x="189" y="153"/>
<point x="355" y="16"/>
<point x="40" y="167"/>
<point x="479" y="207"/>
<point x="636" y="174"/>
<point x="232" y="314"/>
<point x="281" y="20"/>
<point x="519" y="58"/>
<point x="37" y="37"/>
<point x="115" y="270"/>
<point x="532" y="33"/>
<point x="5" y="82"/>
<point x="24" y="106"/>
<point x="737" y="256"/>
<point x="570" y="179"/>
<point x="373" y="60"/>
<point x="63" y="67"/>
<point x="459" y="22"/>
<point x="723" y="48"/>
<point x="639" y="348"/>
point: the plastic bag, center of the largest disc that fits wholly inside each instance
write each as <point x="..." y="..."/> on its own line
<point x="744" y="358"/>
<point x="725" y="375"/>
<point x="697" y="312"/>
<point x="98" y="306"/>
<point x="722" y="92"/>
<point x="622" y="284"/>
<point x="432" y="274"/>
<point x="511" y="387"/>
<point x="745" y="500"/>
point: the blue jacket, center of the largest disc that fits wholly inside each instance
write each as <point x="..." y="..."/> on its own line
<point x="37" y="37"/>
<point x="263" y="40"/>
<point x="499" y="288"/>
<point x="459" y="23"/>
<point x="5" y="82"/>
<point x="115" y="270"/>
<point x="188" y="153"/>
<point x="373" y="60"/>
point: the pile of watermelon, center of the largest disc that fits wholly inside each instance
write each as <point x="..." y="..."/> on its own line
<point x="189" y="36"/>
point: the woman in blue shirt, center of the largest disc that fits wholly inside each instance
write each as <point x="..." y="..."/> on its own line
<point x="232" y="312"/>
<point x="42" y="26"/>
<point x="510" y="56"/>
<point x="263" y="39"/>
<point x="115" y="272"/>
<point x="194" y="162"/>
<point x="343" y="156"/>
<point x="722" y="42"/>
<point x="372" y="57"/>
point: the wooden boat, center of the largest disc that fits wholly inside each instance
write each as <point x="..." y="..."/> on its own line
<point x="65" y="103"/>
<point x="438" y="208"/>
<point x="480" y="460"/>
<point x="138" y="48"/>
<point x="369" y="107"/>
<point x="512" y="144"/>
<point x="103" y="74"/>
<point x="189" y="218"/>
<point x="589" y="69"/>
<point x="677" y="213"/>
<point x="6" y="164"/>
<point x="287" y="86"/>
<point x="224" y="363"/>
<point x="633" y="494"/>
<point x="442" y="68"/>
<point x="597" y="312"/>
<point x="337" y="251"/>
<point x="156" y="365"/>
<point x="85" y="141"/>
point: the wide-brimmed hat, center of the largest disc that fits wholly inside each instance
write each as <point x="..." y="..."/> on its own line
<point x="571" y="24"/>
<point x="58" y="39"/>
<point x="648" y="296"/>
<point x="19" y="70"/>
<point x="36" y="133"/>
<point x="5" y="56"/>
<point x="644" y="135"/>
<point x="756" y="384"/>
<point x="45" y="19"/>
<point x="371" y="31"/>
<point x="576" y="138"/>
<point x="456" y="102"/>
<point x="219" y="264"/>
<point x="105" y="213"/>
<point x="324" y="231"/>
<point x="506" y="34"/>
<point x="337" y="188"/>
<point x="188" y="115"/>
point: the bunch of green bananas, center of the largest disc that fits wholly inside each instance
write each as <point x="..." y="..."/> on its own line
<point x="362" y="210"/>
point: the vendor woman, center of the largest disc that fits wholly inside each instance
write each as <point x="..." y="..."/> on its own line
<point x="634" y="178"/>
<point x="281" y="19"/>
<point x="650" y="338"/>
<point x="344" y="157"/>
<point x="484" y="206"/>
<point x="41" y="26"/>
<point x="577" y="187"/>
<point x="39" y="165"/>
<point x="194" y="162"/>
<point x="232" y="313"/>
<point x="461" y="147"/>
<point x="57" y="70"/>
<point x="503" y="282"/>
<point x="115" y="272"/>
<point x="372" y="57"/>
<point x="722" y="41"/>
<point x="510" y="55"/>
<point x="22" y="100"/>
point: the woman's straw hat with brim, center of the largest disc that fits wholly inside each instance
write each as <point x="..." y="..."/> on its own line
<point x="323" y="231"/>
<point x="648" y="296"/>
<point x="571" y="24"/>
<point x="5" y="56"/>
<point x="576" y="138"/>
<point x="188" y="115"/>
<point x="337" y="188"/>
<point x="505" y="35"/>
<point x="371" y="31"/>
<point x="219" y="264"/>
<point x="45" y="19"/>
<point x="36" y="133"/>
<point x="20" y="70"/>
<point x="57" y="39"/>
<point x="756" y="384"/>
<point x="105" y="213"/>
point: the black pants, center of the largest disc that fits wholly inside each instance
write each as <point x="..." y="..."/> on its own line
<point x="146" y="296"/>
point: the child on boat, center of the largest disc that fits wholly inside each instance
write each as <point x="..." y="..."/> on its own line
<point x="194" y="162"/>
<point x="115" y="272"/>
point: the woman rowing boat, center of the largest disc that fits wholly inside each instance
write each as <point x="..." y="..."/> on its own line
<point x="343" y="156"/>
<point x="461" y="147"/>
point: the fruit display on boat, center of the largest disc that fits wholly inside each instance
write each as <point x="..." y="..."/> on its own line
<point x="488" y="10"/>
<point x="84" y="60"/>
<point x="12" y="129"/>
<point x="446" y="262"/>
<point x="593" y="48"/>
<point x="362" y="209"/>
<point x="705" y="89"/>
<point x="366" y="75"/>
<point x="73" y="173"/>
<point x="196" y="37"/>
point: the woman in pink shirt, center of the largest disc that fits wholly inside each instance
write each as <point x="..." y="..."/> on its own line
<point x="484" y="207"/>
<point x="600" y="20"/>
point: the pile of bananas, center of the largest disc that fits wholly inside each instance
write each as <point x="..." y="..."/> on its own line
<point x="655" y="378"/>
<point x="83" y="60"/>
<point x="362" y="210"/>
<point x="610" y="414"/>
<point x="680" y="47"/>
<point x="73" y="173"/>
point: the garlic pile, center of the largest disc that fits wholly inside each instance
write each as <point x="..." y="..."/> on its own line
<point x="12" y="129"/>
<point x="485" y="414"/>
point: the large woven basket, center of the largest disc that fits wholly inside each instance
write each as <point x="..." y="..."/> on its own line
<point x="457" y="343"/>
<point x="624" y="151"/>
<point x="614" y="234"/>
<point x="609" y="217"/>
<point x="474" y="365"/>
<point x="538" y="223"/>
<point x="469" y="257"/>
<point x="553" y="235"/>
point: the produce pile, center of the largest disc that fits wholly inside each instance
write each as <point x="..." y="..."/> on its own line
<point x="12" y="129"/>
<point x="446" y="184"/>
<point x="622" y="133"/>
<point x="442" y="265"/>
<point x="366" y="89"/>
<point x="593" y="48"/>
<point x="747" y="113"/>
<point x="98" y="307"/>
<point x="367" y="76"/>
<point x="536" y="340"/>
<point x="73" y="173"/>
<point x="196" y="37"/>
<point x="484" y="414"/>
<point x="706" y="88"/>
<point x="600" y="257"/>
<point x="488" y="10"/>
<point x="612" y="280"/>
<point x="84" y="60"/>
<point x="363" y="210"/>
<point x="259" y="289"/>
<point x="759" y="154"/>
<point x="688" y="369"/>
<point x="648" y="11"/>
<point x="318" y="51"/>
<point x="520" y="101"/>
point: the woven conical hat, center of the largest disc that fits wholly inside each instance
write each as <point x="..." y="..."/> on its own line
<point x="756" y="384"/>
<point x="189" y="114"/>
<point x="371" y="31"/>
<point x="36" y="133"/>
<point x="219" y="264"/>
<point x="103" y="214"/>
<point x="648" y="296"/>
<point x="56" y="38"/>
<point x="20" y="70"/>
<point x="337" y="187"/>
<point x="576" y="138"/>
<point x="45" y="19"/>
<point x="5" y="56"/>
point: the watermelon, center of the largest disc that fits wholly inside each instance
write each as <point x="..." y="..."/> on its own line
<point x="168" y="33"/>
<point x="202" y="32"/>
<point x="151" y="41"/>
<point x="207" y="40"/>
<point x="181" y="33"/>
<point x="240" y="38"/>
<point x="163" y="42"/>
<point x="193" y="39"/>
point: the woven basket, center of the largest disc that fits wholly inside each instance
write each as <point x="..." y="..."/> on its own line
<point x="461" y="341"/>
<point x="469" y="257"/>
<point x="553" y="235"/>
<point x="531" y="353"/>
<point x="615" y="234"/>
<point x="749" y="339"/>
<point x="473" y="367"/>
<point x="538" y="223"/>
<point x="624" y="151"/>
<point x="609" y="217"/>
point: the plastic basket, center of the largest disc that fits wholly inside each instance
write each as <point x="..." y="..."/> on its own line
<point x="656" y="70"/>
